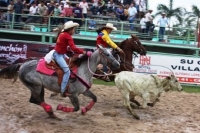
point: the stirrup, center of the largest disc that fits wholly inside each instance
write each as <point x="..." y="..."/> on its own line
<point x="65" y="94"/>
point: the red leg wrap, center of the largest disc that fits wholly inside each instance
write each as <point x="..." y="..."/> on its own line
<point x="67" y="109"/>
<point x="46" y="107"/>
<point x="90" y="105"/>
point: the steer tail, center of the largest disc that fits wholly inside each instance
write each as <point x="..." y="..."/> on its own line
<point x="10" y="72"/>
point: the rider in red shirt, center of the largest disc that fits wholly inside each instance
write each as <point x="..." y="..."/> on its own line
<point x="65" y="42"/>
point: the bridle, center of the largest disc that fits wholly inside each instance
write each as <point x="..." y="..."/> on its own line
<point x="101" y="55"/>
<point x="124" y="56"/>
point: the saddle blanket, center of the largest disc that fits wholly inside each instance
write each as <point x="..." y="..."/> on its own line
<point x="42" y="68"/>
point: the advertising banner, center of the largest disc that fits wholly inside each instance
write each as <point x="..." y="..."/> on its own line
<point x="186" y="69"/>
<point x="17" y="52"/>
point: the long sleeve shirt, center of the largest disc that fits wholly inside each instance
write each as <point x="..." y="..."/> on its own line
<point x="64" y="41"/>
<point x="104" y="40"/>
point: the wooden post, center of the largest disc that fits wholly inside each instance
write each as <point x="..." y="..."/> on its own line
<point x="198" y="33"/>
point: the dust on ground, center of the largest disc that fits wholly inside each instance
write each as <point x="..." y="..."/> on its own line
<point x="177" y="112"/>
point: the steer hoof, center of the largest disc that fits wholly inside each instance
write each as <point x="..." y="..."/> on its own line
<point x="137" y="117"/>
<point x="150" y="104"/>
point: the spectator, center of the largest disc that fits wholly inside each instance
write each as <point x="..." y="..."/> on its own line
<point x="18" y="9"/>
<point x="3" y="3"/>
<point x="77" y="12"/>
<point x="51" y="8"/>
<point x="84" y="6"/>
<point x="2" y="18"/>
<point x="111" y="6"/>
<point x="120" y="13"/>
<point x="94" y="7"/>
<point x="101" y="7"/>
<point x="45" y="18"/>
<point x="56" y="14"/>
<point x="41" y="11"/>
<point x="163" y="22"/>
<point x="66" y="3"/>
<point x="126" y="12"/>
<point x="143" y="24"/>
<point x="10" y="11"/>
<point x="137" y="3"/>
<point x="142" y="7"/>
<point x="132" y="11"/>
<point x="68" y="11"/>
<point x="32" y="11"/>
<point x="149" y="22"/>
<point x="92" y="23"/>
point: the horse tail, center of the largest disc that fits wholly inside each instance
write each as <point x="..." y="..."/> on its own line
<point x="10" y="72"/>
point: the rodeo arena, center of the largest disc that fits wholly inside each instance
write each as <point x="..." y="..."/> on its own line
<point x="99" y="66"/>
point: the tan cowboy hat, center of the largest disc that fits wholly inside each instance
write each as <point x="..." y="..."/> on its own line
<point x="110" y="25"/>
<point x="67" y="0"/>
<point x="70" y="24"/>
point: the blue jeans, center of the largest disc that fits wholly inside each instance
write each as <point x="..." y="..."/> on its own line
<point x="131" y="19"/>
<point x="9" y="17"/>
<point x="161" y="33"/>
<point x="59" y="58"/>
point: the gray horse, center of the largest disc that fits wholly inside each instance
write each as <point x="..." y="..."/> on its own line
<point x="36" y="82"/>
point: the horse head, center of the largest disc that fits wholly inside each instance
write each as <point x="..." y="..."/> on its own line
<point x="107" y="58"/>
<point x="133" y="44"/>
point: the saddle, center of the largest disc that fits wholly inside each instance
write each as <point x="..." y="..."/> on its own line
<point x="72" y="66"/>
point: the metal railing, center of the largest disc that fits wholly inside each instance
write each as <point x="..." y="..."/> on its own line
<point x="123" y="27"/>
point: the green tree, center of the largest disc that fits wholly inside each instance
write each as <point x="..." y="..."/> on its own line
<point x="194" y="15"/>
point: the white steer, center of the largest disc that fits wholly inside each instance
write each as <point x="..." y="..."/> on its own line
<point x="148" y="87"/>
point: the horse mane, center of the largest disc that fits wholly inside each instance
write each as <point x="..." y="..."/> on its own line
<point x="77" y="61"/>
<point x="123" y="42"/>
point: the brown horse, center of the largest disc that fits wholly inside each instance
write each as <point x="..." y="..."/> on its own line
<point x="129" y="46"/>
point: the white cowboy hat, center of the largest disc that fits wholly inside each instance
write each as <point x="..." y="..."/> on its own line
<point x="149" y="10"/>
<point x="163" y="13"/>
<point x="110" y="25"/>
<point x="67" y="0"/>
<point x="70" y="24"/>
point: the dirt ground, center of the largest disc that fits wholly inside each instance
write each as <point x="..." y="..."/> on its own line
<point x="177" y="112"/>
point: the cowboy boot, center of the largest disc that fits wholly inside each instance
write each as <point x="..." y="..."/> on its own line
<point x="66" y="93"/>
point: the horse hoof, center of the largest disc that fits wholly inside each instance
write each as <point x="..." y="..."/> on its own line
<point x="59" y="107"/>
<point x="83" y="110"/>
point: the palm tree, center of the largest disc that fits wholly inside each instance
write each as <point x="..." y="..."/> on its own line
<point x="170" y="11"/>
<point x="194" y="17"/>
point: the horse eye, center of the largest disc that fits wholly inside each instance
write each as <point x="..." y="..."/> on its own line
<point x="176" y="80"/>
<point x="107" y="54"/>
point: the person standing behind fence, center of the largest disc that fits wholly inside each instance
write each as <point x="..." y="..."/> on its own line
<point x="94" y="7"/>
<point x="41" y="10"/>
<point x="10" y="11"/>
<point x="143" y="24"/>
<point x="18" y="9"/>
<point x="132" y="11"/>
<point x="84" y="6"/>
<point x="149" y="22"/>
<point x="163" y="22"/>
<point x="56" y="14"/>
<point x="78" y="14"/>
<point x="32" y="11"/>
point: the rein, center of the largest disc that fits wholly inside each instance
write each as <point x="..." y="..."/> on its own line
<point x="105" y="74"/>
